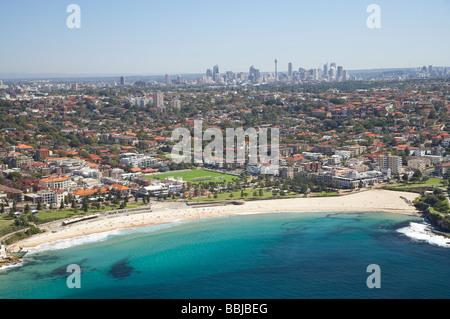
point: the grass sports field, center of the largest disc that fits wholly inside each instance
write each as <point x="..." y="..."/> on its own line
<point x="197" y="176"/>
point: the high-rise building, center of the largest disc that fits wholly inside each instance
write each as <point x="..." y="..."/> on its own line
<point x="276" y="70"/>
<point x="175" y="104"/>
<point x="216" y="73"/>
<point x="122" y="80"/>
<point x="346" y="76"/>
<point x="394" y="163"/>
<point x="168" y="79"/>
<point x="315" y="74"/>
<point x="255" y="75"/>
<point x="209" y="73"/>
<point x="158" y="101"/>
<point x="340" y="73"/>
<point x="325" y="70"/>
<point x="332" y="72"/>
<point x="290" y="69"/>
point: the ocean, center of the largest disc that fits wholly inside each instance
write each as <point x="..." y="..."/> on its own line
<point x="248" y="256"/>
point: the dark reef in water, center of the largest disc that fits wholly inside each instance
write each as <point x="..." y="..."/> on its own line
<point x="62" y="271"/>
<point x="120" y="269"/>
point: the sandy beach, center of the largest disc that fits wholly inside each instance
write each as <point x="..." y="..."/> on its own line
<point x="375" y="200"/>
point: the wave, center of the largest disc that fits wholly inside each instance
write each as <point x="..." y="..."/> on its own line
<point x="422" y="232"/>
<point x="13" y="265"/>
<point x="98" y="237"/>
<point x="75" y="241"/>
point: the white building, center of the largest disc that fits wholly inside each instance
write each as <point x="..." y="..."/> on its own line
<point x="54" y="197"/>
<point x="138" y="160"/>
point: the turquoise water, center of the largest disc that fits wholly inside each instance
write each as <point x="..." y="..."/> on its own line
<point x="289" y="255"/>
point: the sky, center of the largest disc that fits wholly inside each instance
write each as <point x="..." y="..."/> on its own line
<point x="144" y="37"/>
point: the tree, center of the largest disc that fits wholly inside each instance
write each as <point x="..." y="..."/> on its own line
<point x="85" y="206"/>
<point x="39" y="206"/>
<point x="96" y="205"/>
<point x="405" y="177"/>
<point x="27" y="209"/>
<point x="61" y="206"/>
<point x="14" y="207"/>
<point x="2" y="208"/>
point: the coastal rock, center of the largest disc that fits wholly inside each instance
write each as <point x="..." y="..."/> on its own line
<point x="9" y="260"/>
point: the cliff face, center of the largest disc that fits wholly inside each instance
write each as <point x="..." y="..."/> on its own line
<point x="440" y="220"/>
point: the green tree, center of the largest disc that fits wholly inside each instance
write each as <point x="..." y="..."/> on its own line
<point x="27" y="209"/>
<point x="85" y="206"/>
<point x="405" y="178"/>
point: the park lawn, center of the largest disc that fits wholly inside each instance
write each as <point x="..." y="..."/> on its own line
<point x="319" y="194"/>
<point x="431" y="182"/>
<point x="4" y="224"/>
<point x="237" y="195"/>
<point x="196" y="176"/>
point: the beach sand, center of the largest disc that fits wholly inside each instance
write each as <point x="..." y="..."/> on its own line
<point x="374" y="200"/>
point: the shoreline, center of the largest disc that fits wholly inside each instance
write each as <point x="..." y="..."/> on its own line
<point x="374" y="200"/>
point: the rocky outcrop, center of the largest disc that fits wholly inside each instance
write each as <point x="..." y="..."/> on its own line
<point x="9" y="260"/>
<point x="442" y="221"/>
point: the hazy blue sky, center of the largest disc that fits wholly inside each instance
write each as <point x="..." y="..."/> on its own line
<point x="189" y="36"/>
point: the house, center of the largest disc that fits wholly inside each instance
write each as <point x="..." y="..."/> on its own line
<point x="56" y="182"/>
<point x="442" y="169"/>
<point x="117" y="189"/>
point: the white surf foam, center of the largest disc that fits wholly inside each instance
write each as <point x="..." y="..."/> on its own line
<point x="71" y="242"/>
<point x="97" y="237"/>
<point x="422" y="232"/>
<point x="5" y="267"/>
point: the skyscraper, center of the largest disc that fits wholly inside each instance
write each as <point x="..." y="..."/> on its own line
<point x="325" y="70"/>
<point x="340" y="73"/>
<point x="216" y="73"/>
<point x="168" y="79"/>
<point x="158" y="101"/>
<point x="290" y="69"/>
<point x="276" y="70"/>
<point x="122" y="80"/>
<point x="255" y="75"/>
<point x="332" y="72"/>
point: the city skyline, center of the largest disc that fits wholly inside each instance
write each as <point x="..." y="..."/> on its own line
<point x="175" y="37"/>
